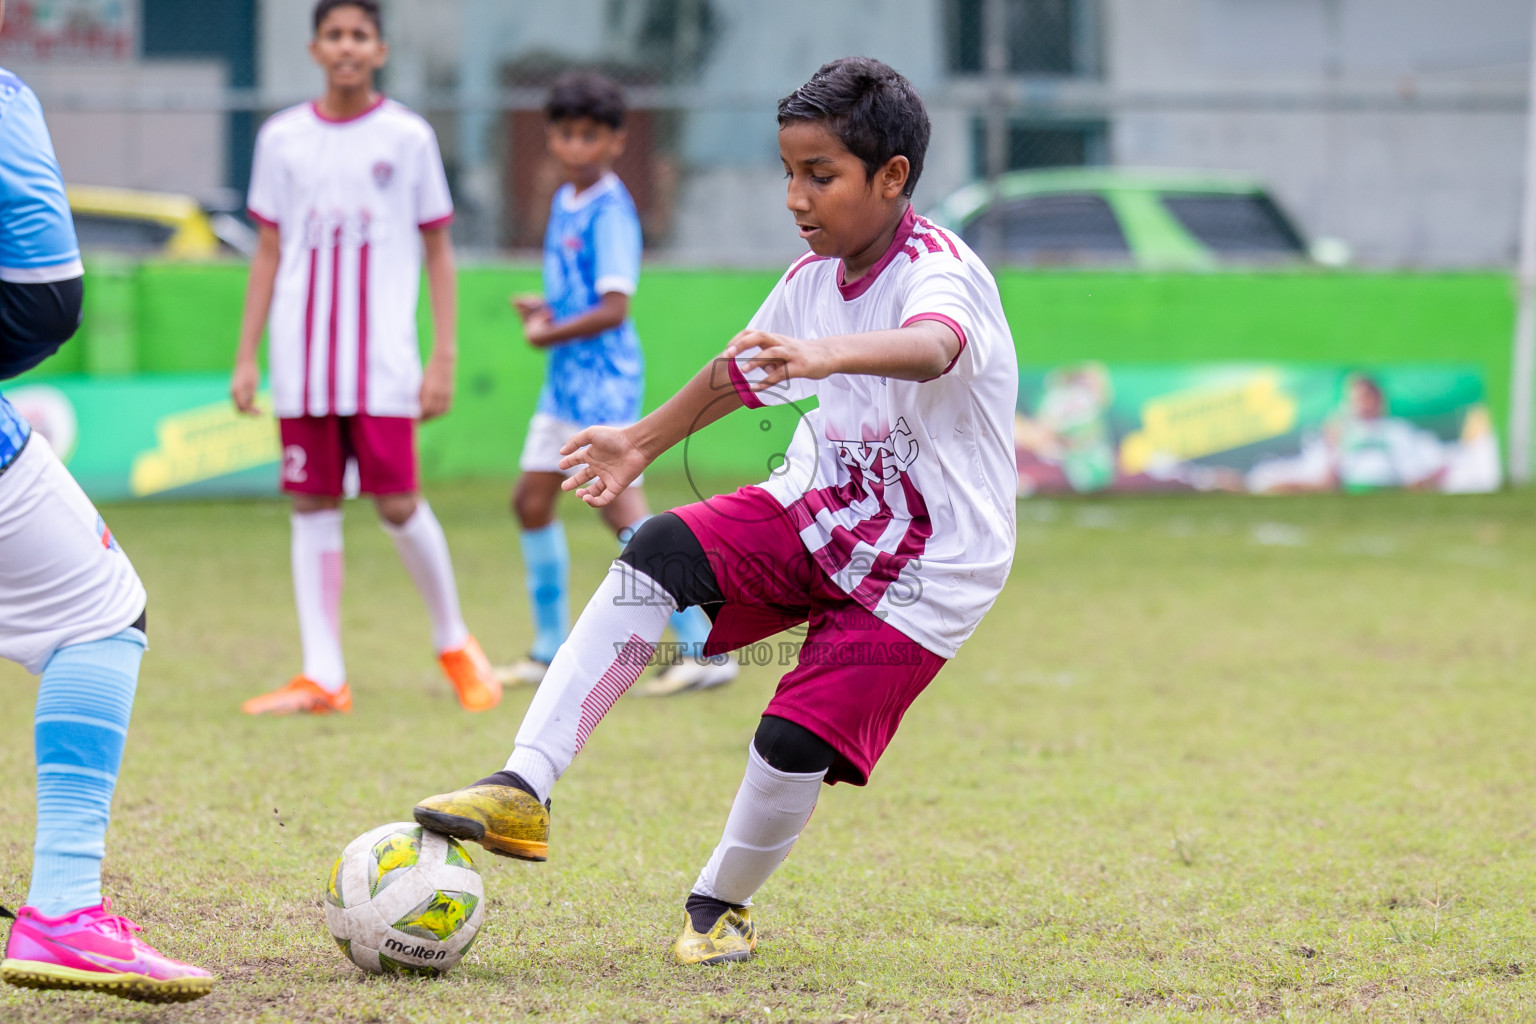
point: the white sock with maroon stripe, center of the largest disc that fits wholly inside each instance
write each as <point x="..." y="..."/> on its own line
<point x="608" y="648"/>
<point x="317" y="578"/>
<point x="770" y="811"/>
<point x="424" y="550"/>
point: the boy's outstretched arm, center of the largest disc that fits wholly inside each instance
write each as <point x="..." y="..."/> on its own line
<point x="611" y="457"/>
<point x="614" y="456"/>
<point x="258" y="302"/>
<point x="437" y="380"/>
<point x="920" y="351"/>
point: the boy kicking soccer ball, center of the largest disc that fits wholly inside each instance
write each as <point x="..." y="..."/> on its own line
<point x="346" y="192"/>
<point x="71" y="609"/>
<point x="889" y="530"/>
<point x="595" y="372"/>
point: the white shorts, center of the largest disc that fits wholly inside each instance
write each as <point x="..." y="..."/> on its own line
<point x="546" y="436"/>
<point x="63" y="578"/>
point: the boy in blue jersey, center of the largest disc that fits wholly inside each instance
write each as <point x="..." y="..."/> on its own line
<point x="71" y="609"/>
<point x="595" y="373"/>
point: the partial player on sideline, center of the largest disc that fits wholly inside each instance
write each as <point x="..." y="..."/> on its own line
<point x="890" y="528"/>
<point x="595" y="374"/>
<point x="347" y="191"/>
<point x="71" y="608"/>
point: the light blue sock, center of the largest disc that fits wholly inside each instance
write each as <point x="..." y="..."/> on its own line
<point x="548" y="563"/>
<point x="81" y="723"/>
<point x="690" y="627"/>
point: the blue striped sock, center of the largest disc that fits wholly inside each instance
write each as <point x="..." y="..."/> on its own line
<point x="690" y="626"/>
<point x="81" y="723"/>
<point x="548" y="564"/>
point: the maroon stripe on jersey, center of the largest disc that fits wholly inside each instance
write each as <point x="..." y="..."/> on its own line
<point x="433" y="225"/>
<point x="947" y="322"/>
<point x="887" y="568"/>
<point x="266" y="222"/>
<point x="802" y="263"/>
<point x="309" y="321"/>
<point x="330" y="359"/>
<point x="833" y="557"/>
<point x="911" y="251"/>
<point x="362" y="324"/>
<point x="621" y="675"/>
<point x="943" y="236"/>
<point x="929" y="242"/>
<point x="743" y="389"/>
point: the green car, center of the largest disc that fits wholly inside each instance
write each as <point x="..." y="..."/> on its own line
<point x="1149" y="220"/>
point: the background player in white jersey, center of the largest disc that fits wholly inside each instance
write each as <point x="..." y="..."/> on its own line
<point x="890" y="530"/>
<point x="595" y="372"/>
<point x="71" y="608"/>
<point x="347" y="192"/>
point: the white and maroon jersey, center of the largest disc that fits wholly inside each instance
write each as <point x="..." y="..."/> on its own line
<point x="350" y="200"/>
<point x="903" y="491"/>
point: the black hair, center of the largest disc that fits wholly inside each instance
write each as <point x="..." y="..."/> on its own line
<point x="586" y="94"/>
<point x="870" y="107"/>
<point x="370" y="8"/>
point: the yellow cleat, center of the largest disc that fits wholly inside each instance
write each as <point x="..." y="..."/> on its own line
<point x="732" y="938"/>
<point x="503" y="819"/>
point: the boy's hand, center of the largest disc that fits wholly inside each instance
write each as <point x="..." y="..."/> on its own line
<point x="243" y="385"/>
<point x="608" y="459"/>
<point x="436" y="387"/>
<point x="527" y="305"/>
<point x="538" y="326"/>
<point x="781" y="358"/>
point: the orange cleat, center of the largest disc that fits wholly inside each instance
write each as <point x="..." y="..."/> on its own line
<point x="301" y="696"/>
<point x="473" y="679"/>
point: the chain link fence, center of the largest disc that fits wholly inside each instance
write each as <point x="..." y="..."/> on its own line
<point x="1410" y="151"/>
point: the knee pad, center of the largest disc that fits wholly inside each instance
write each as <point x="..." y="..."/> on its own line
<point x="792" y="748"/>
<point x="668" y="552"/>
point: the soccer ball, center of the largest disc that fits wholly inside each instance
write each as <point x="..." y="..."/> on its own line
<point x="404" y="901"/>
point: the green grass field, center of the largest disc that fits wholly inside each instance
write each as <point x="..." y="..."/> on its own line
<point x="1208" y="759"/>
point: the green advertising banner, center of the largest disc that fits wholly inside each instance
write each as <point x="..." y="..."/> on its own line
<point x="1086" y="428"/>
<point x="151" y="437"/>
<point x="1253" y="428"/>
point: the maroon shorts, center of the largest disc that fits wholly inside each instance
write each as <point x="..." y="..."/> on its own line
<point x="855" y="676"/>
<point x="316" y="450"/>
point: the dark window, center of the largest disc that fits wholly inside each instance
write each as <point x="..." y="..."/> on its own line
<point x="1058" y="229"/>
<point x="1237" y="225"/>
<point x="226" y="30"/>
<point x="1045" y="37"/>
<point x="121" y="234"/>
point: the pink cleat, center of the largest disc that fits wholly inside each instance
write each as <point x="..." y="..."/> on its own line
<point x="95" y="950"/>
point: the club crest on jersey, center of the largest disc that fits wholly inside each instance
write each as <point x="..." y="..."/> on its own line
<point x="383" y="173"/>
<point x="887" y="458"/>
<point x="104" y="534"/>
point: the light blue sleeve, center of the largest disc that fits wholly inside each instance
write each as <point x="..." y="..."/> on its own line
<point x="37" y="233"/>
<point x="616" y="248"/>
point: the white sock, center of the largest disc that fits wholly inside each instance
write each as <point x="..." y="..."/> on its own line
<point x="424" y="550"/>
<point x="317" y="579"/>
<point x="608" y="648"/>
<point x="770" y="811"/>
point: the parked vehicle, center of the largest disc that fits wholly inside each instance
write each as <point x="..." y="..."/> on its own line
<point x="156" y="224"/>
<point x="1153" y="220"/>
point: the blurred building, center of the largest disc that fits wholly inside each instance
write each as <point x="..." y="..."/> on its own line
<point x="1396" y="125"/>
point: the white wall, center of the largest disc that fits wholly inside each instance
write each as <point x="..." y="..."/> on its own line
<point x="1438" y="188"/>
<point x="99" y="144"/>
